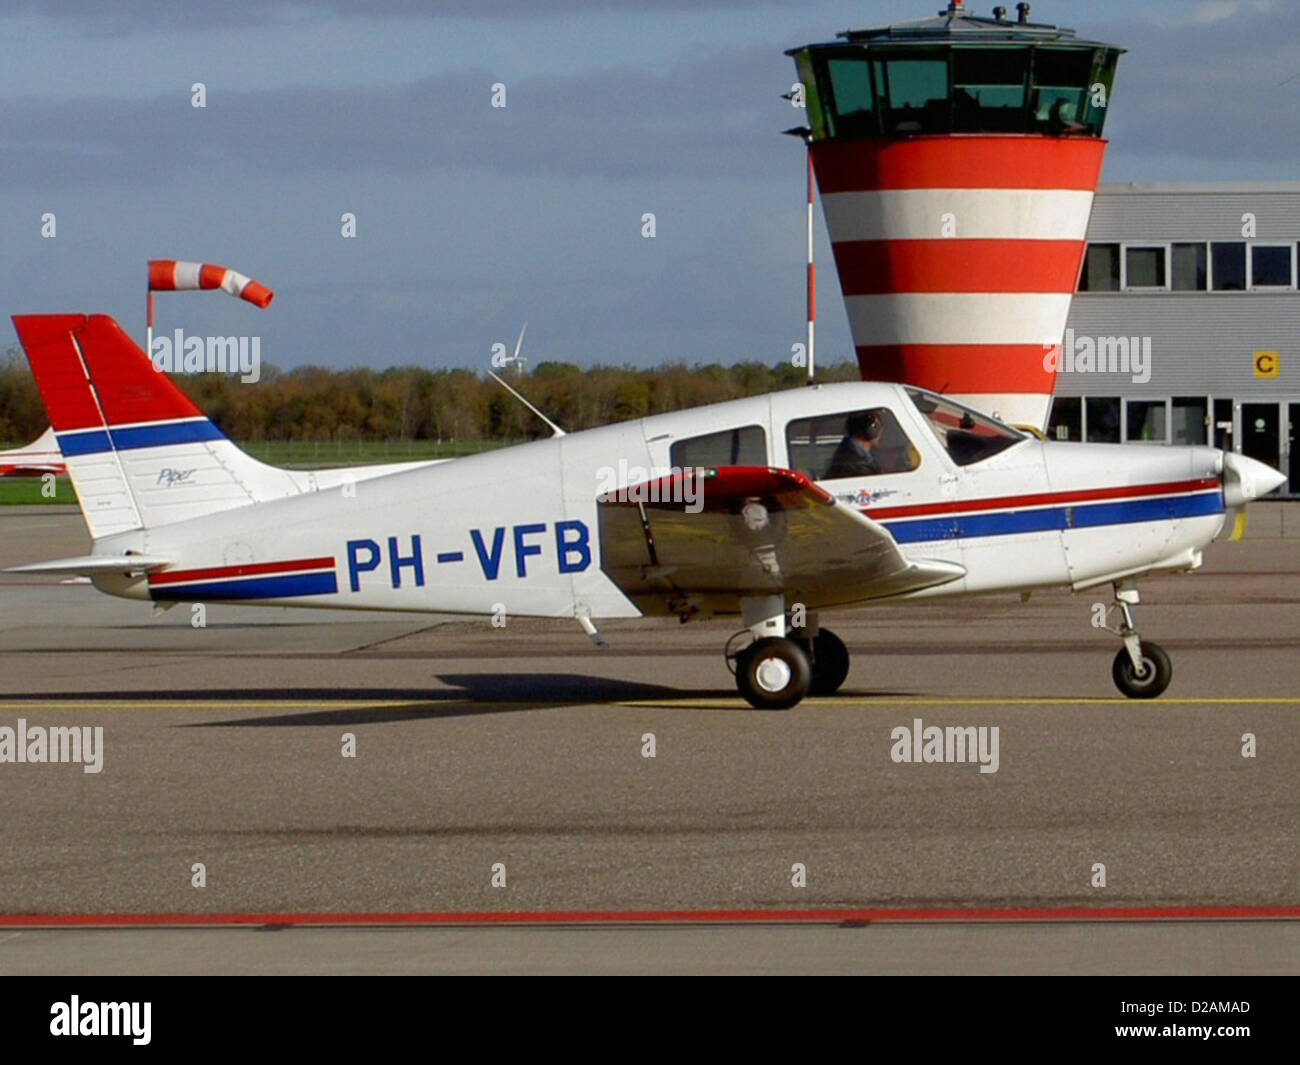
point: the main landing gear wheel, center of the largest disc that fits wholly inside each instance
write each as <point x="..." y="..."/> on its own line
<point x="1149" y="681"/>
<point x="830" y="663"/>
<point x="773" y="673"/>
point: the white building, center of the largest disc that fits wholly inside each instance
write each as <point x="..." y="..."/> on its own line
<point x="1186" y="325"/>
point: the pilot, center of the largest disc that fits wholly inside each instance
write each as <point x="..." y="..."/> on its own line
<point x="856" y="455"/>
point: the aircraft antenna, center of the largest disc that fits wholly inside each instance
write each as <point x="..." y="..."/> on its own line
<point x="555" y="429"/>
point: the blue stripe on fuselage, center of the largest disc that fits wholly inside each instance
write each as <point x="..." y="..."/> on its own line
<point x="291" y="584"/>
<point x="94" y="441"/>
<point x="1049" y="519"/>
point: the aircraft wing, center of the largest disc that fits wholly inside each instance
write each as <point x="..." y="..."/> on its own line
<point x="751" y="530"/>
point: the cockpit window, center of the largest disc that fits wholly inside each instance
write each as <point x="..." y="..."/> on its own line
<point x="856" y="443"/>
<point x="965" y="434"/>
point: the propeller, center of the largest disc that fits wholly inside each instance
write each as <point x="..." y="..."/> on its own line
<point x="1244" y="479"/>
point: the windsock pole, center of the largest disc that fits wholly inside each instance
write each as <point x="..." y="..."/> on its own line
<point x="812" y="280"/>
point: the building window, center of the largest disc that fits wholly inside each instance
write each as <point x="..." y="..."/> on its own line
<point x="1189" y="418"/>
<point x="1228" y="265"/>
<point x="731" y="447"/>
<point x="1270" y="266"/>
<point x="1103" y="419"/>
<point x="1189" y="267"/>
<point x="1145" y="421"/>
<point x="1144" y="267"/>
<point x="1100" y="269"/>
<point x="1066" y="422"/>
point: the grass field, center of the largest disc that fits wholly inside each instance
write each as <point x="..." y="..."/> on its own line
<point x="26" y="490"/>
<point x="308" y="453"/>
<point x="294" y="454"/>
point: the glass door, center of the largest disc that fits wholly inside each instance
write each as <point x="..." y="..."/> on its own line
<point x="1261" y="432"/>
<point x="1292" y="468"/>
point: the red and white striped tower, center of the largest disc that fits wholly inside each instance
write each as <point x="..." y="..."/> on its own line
<point x="957" y="158"/>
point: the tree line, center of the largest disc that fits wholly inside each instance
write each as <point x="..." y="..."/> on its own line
<point x="314" y="403"/>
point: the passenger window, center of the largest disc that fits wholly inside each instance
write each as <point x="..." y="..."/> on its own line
<point x="857" y="443"/>
<point x="731" y="447"/>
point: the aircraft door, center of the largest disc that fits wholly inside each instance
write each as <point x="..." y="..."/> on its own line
<point x="591" y="464"/>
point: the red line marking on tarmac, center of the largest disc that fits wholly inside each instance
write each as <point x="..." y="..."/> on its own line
<point x="580" y="917"/>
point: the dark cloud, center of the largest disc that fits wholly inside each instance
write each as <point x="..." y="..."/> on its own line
<point x="1210" y="91"/>
<point x="96" y="16"/>
<point x="719" y="117"/>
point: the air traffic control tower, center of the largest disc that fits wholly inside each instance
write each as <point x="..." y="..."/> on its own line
<point x="956" y="159"/>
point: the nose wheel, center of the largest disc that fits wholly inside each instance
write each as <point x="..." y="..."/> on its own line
<point x="1148" y="680"/>
<point x="1142" y="669"/>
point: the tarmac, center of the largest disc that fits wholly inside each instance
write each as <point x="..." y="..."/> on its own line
<point x="501" y="775"/>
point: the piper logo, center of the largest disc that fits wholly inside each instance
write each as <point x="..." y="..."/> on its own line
<point x="102" y="1018"/>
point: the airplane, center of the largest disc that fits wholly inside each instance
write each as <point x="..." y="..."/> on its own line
<point x="752" y="508"/>
<point x="39" y="457"/>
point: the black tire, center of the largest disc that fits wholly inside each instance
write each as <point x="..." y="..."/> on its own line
<point x="759" y="685"/>
<point x="1156" y="674"/>
<point x="830" y="663"/>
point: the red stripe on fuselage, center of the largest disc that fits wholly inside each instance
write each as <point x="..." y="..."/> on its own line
<point x="949" y="264"/>
<point x="249" y="570"/>
<point x="1083" y="495"/>
<point x="959" y="161"/>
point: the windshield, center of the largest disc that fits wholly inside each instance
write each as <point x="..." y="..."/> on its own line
<point x="965" y="434"/>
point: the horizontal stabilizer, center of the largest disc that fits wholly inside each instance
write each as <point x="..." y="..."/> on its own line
<point x="90" y="565"/>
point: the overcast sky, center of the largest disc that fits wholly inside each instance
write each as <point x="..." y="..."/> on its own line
<point x="472" y="219"/>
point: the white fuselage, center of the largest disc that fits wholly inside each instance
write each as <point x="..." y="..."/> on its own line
<point x="517" y="529"/>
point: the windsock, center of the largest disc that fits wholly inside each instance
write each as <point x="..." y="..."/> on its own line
<point x="169" y="275"/>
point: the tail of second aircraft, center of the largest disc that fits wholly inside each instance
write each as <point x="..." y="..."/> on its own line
<point x="139" y="452"/>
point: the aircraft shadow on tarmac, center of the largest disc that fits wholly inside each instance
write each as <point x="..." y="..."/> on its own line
<point x="467" y="695"/>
